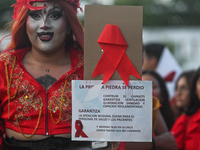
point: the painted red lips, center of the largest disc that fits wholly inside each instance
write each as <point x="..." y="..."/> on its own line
<point x="45" y="36"/>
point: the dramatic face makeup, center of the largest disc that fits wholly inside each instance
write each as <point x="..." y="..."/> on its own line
<point x="47" y="29"/>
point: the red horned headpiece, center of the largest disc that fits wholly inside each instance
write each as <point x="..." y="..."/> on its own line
<point x="27" y="3"/>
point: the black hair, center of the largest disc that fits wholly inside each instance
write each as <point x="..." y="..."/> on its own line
<point x="154" y="50"/>
<point x="165" y="110"/>
<point x="194" y="102"/>
<point x="188" y="75"/>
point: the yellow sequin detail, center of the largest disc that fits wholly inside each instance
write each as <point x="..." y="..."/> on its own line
<point x="26" y="97"/>
<point x="36" y="124"/>
<point x="63" y="99"/>
<point x="9" y="84"/>
<point x="61" y="105"/>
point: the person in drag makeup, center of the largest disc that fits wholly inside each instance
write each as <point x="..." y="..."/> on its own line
<point x="37" y="67"/>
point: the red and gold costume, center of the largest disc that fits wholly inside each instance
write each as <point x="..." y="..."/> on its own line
<point x="28" y="108"/>
<point x="187" y="131"/>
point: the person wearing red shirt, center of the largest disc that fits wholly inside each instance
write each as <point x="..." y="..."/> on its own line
<point x="186" y="128"/>
<point x="45" y="54"/>
<point x="182" y="93"/>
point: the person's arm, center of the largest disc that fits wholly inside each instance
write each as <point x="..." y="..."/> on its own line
<point x="164" y="139"/>
<point x="161" y="126"/>
<point x="159" y="129"/>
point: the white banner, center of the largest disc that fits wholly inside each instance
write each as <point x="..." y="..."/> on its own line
<point x="111" y="111"/>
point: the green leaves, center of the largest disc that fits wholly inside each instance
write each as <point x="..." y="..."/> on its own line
<point x="173" y="13"/>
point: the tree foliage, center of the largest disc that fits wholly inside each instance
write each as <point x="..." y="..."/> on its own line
<point x="6" y="11"/>
<point x="173" y="13"/>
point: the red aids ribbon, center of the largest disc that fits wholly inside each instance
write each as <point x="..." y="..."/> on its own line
<point x="170" y="76"/>
<point x="114" y="57"/>
<point x="79" y="128"/>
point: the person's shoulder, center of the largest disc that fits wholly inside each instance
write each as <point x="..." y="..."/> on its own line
<point x="180" y="121"/>
<point x="197" y="112"/>
<point x="189" y="118"/>
<point x="195" y="117"/>
<point x="8" y="55"/>
<point x="77" y="56"/>
<point x="183" y="117"/>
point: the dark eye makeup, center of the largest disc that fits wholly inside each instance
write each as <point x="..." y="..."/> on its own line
<point x="56" y="15"/>
<point x="34" y="14"/>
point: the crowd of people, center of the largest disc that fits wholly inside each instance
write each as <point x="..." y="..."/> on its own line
<point x="46" y="53"/>
<point x="182" y="110"/>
